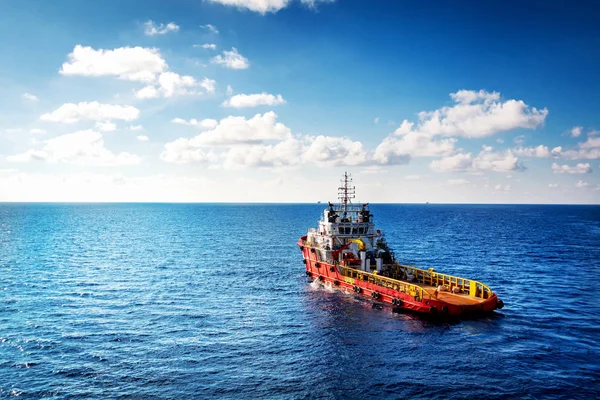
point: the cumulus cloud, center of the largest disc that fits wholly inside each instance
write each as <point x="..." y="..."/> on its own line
<point x="37" y="131"/>
<point x="476" y="114"/>
<point x="497" y="161"/>
<point x="454" y="163"/>
<point x="106" y="126"/>
<point x="69" y="113"/>
<point x="81" y="148"/>
<point x="136" y="127"/>
<point x="590" y="150"/>
<point x="400" y="149"/>
<point x="229" y="90"/>
<point x="204" y="123"/>
<point x="211" y="46"/>
<point x="259" y="6"/>
<point x="170" y="84"/>
<point x="136" y="64"/>
<point x="231" y="59"/>
<point x="540" y="151"/>
<point x="576" y="131"/>
<point x="553" y="185"/>
<point x="580" y="168"/>
<point x="582" y="184"/>
<point x="151" y="29"/>
<point x="479" y="114"/>
<point x="142" y="138"/>
<point x="210" y="28"/>
<point x="261" y="141"/>
<point x="180" y="151"/>
<point x="253" y="100"/>
<point x="486" y="160"/>
<point x="131" y="63"/>
<point x="30" y="97"/>
<point x="267" y="6"/>
<point x="236" y="130"/>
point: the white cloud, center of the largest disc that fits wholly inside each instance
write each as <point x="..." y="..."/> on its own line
<point x="147" y="92"/>
<point x="142" y="138"/>
<point x="69" y="113"/>
<point x="456" y="162"/>
<point x="259" y="6"/>
<point x="376" y="120"/>
<point x="499" y="162"/>
<point x="231" y="59"/>
<point x="479" y="114"/>
<point x="236" y="130"/>
<point x="331" y="151"/>
<point x="267" y="6"/>
<point x="211" y="46"/>
<point x="170" y="84"/>
<point x="486" y="160"/>
<point x="136" y="127"/>
<point x="229" y="90"/>
<point x="582" y="184"/>
<point x="246" y="140"/>
<point x="500" y="141"/>
<point x="540" y="151"/>
<point x="412" y="177"/>
<point x="576" y="131"/>
<point x="82" y="148"/>
<point x="590" y="149"/>
<point x="519" y="139"/>
<point x="253" y="100"/>
<point x="30" y="97"/>
<point x="180" y="151"/>
<point x="151" y="29"/>
<point x="106" y="126"/>
<point x="457" y="182"/>
<point x="399" y="150"/>
<point x="580" y="168"/>
<point x="37" y="131"/>
<point x="204" y="123"/>
<point x="475" y="115"/>
<point x="208" y="85"/>
<point x="211" y="28"/>
<point x="131" y="63"/>
<point x="553" y="185"/>
<point x="135" y="64"/>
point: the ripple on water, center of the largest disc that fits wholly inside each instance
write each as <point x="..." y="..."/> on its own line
<point x="179" y="301"/>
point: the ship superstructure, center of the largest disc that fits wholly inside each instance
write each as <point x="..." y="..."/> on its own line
<point x="347" y="251"/>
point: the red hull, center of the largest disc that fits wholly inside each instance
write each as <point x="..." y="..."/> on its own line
<point x="329" y="273"/>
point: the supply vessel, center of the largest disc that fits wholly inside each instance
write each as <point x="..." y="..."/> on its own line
<point x="347" y="252"/>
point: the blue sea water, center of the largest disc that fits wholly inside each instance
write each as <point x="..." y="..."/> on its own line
<point x="172" y="301"/>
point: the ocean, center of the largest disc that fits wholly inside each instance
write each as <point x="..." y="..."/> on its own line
<point x="174" y="301"/>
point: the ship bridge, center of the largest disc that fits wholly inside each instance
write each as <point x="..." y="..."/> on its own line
<point x="347" y="230"/>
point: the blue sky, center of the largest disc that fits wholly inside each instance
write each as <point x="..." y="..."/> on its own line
<point x="271" y="100"/>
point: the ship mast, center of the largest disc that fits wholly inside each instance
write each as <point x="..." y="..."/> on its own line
<point x="346" y="192"/>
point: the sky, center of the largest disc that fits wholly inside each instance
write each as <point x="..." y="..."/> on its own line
<point x="273" y="100"/>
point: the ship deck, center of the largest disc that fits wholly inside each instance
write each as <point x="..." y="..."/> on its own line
<point x="459" y="299"/>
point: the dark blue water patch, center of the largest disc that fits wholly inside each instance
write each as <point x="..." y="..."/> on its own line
<point x="190" y="301"/>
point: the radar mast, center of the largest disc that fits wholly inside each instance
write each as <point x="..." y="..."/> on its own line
<point x="346" y="192"/>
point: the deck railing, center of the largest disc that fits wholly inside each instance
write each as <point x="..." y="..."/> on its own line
<point x="406" y="287"/>
<point x="432" y="278"/>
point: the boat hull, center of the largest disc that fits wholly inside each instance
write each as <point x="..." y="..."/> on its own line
<point x="329" y="273"/>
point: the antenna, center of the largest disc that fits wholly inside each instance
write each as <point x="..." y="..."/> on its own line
<point x="346" y="192"/>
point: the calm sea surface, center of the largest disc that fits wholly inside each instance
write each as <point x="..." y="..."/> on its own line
<point x="165" y="301"/>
